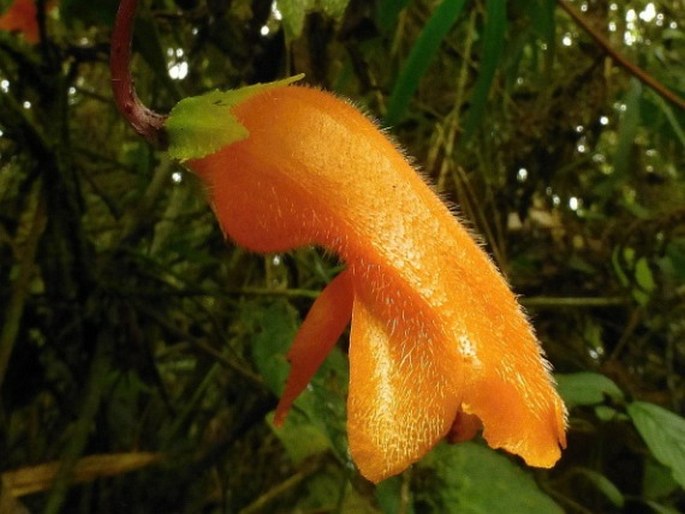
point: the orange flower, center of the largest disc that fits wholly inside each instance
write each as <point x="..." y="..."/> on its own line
<point x="22" y="17"/>
<point x="438" y="343"/>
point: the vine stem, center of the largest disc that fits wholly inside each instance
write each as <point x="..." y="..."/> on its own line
<point x="144" y="121"/>
<point x="631" y="68"/>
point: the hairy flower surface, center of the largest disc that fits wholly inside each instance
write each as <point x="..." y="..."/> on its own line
<point x="438" y="344"/>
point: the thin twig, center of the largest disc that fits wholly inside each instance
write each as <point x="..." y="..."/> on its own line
<point x="288" y="484"/>
<point x="80" y="431"/>
<point x="636" y="316"/>
<point x="40" y="477"/>
<point x="20" y="289"/>
<point x="571" y="301"/>
<point x="631" y="68"/>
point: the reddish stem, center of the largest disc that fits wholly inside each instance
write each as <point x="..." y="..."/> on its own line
<point x="144" y="121"/>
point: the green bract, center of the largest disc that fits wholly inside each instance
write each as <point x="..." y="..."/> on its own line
<point x="201" y="125"/>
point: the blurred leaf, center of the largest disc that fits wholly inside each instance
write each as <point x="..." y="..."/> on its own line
<point x="664" y="433"/>
<point x="579" y="263"/>
<point x="474" y="479"/>
<point x="671" y="117"/>
<point x="333" y="8"/>
<point x="662" y="509"/>
<point x="618" y="268"/>
<point x="592" y="334"/>
<point x="387" y="12"/>
<point x="389" y="496"/>
<point x="329" y="492"/>
<point x="493" y="44"/>
<point x="272" y="329"/>
<point x="604" y="485"/>
<point x="420" y="57"/>
<point x="88" y="12"/>
<point x="675" y="252"/>
<point x="127" y="389"/>
<point x="643" y="283"/>
<point x="300" y="438"/>
<point x="643" y="275"/>
<point x="328" y="405"/>
<point x="640" y="297"/>
<point x="317" y="419"/>
<point x="294" y="12"/>
<point x="319" y="412"/>
<point x="606" y="413"/>
<point x="541" y="13"/>
<point x="630" y="121"/>
<point x="586" y="388"/>
<point x="657" y="480"/>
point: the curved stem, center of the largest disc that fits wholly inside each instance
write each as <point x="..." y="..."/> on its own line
<point x="631" y="68"/>
<point x="144" y="121"/>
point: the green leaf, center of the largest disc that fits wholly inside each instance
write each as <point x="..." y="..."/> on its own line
<point x="657" y="480"/>
<point x="644" y="280"/>
<point x="334" y="8"/>
<point x="671" y="117"/>
<point x="606" y="413"/>
<point x="328" y="491"/>
<point x="493" y="44"/>
<point x="586" y="388"/>
<point x="662" y="509"/>
<point x="420" y="57"/>
<point x="271" y="328"/>
<point x="294" y="12"/>
<point x="389" y="496"/>
<point x="201" y="125"/>
<point x="541" y="14"/>
<point x="581" y="264"/>
<point x="617" y="259"/>
<point x="387" y="13"/>
<point x="300" y="438"/>
<point x="471" y="479"/>
<point x="630" y="122"/>
<point x="88" y="12"/>
<point x="643" y="275"/>
<point x="324" y="403"/>
<point x="320" y="408"/>
<point x="664" y="433"/>
<point x="675" y="252"/>
<point x="317" y="420"/>
<point x="604" y="485"/>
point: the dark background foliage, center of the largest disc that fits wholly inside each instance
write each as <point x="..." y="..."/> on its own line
<point x="131" y="328"/>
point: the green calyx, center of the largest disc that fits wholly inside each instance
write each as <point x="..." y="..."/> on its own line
<point x="201" y="125"/>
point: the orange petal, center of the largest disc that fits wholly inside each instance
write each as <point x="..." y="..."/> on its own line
<point x="316" y="171"/>
<point x="22" y="17"/>
<point x="464" y="428"/>
<point x="403" y="391"/>
<point x="518" y="409"/>
<point x="317" y="336"/>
